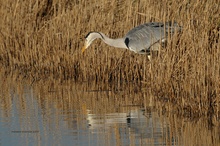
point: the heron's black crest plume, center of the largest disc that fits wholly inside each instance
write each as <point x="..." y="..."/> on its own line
<point x="93" y="32"/>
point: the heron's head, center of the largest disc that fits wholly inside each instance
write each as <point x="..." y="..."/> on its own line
<point x="89" y="38"/>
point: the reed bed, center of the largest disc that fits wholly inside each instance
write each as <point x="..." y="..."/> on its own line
<point x="41" y="39"/>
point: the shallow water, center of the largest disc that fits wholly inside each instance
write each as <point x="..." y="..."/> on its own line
<point x="57" y="113"/>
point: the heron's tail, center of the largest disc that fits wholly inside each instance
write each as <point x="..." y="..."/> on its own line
<point x="173" y="26"/>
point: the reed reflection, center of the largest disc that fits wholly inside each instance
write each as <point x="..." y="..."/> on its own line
<point x="65" y="113"/>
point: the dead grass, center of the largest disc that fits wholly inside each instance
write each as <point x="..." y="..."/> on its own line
<point x="42" y="39"/>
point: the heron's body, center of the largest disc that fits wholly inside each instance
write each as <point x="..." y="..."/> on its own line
<point x="141" y="39"/>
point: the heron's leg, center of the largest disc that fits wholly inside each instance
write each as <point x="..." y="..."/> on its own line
<point x="149" y="57"/>
<point x="150" y="67"/>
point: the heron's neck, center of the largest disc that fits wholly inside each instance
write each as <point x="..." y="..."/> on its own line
<point x="118" y="43"/>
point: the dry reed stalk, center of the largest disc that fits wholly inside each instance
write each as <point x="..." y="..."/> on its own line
<point x="188" y="73"/>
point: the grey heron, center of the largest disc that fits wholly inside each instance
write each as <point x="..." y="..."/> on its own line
<point x="141" y="39"/>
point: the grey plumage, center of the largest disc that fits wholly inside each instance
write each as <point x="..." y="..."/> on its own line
<point x="141" y="38"/>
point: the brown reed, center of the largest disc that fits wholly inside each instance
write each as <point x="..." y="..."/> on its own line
<point x="42" y="39"/>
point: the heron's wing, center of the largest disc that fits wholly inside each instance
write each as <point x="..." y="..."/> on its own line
<point x="141" y="38"/>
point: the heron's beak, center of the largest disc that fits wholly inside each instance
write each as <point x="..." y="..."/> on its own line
<point x="84" y="48"/>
